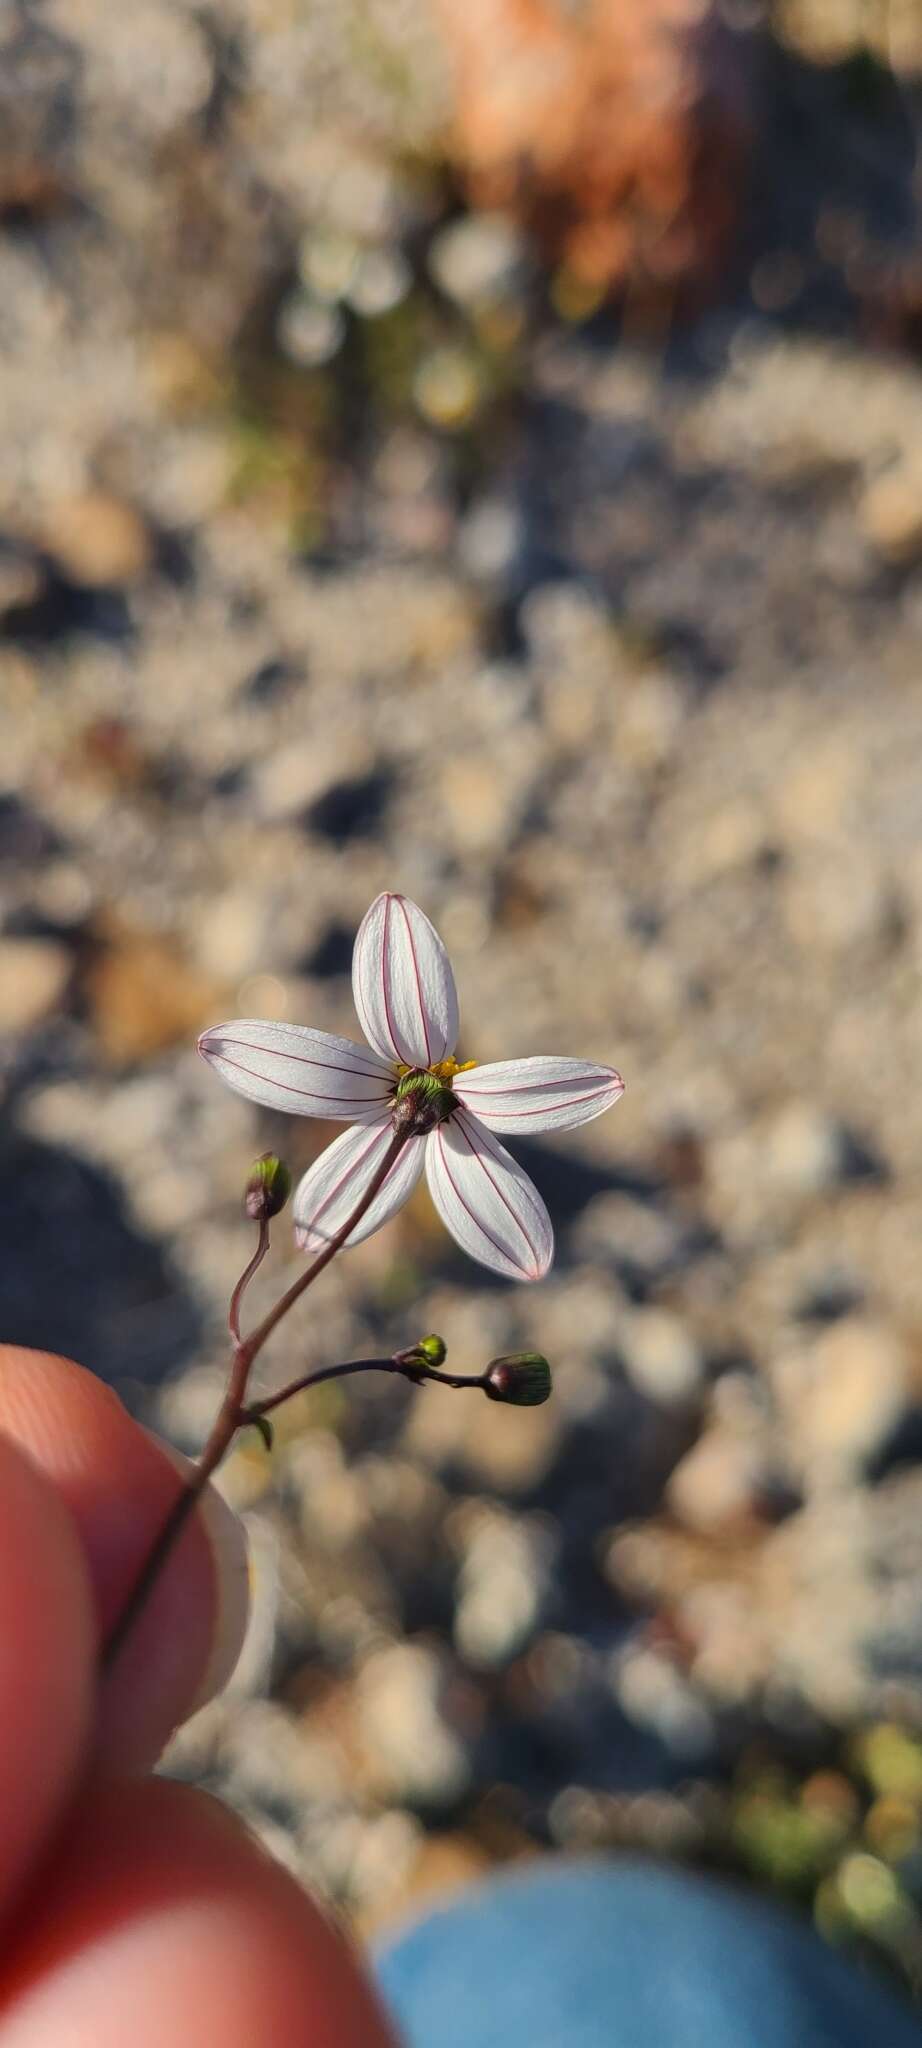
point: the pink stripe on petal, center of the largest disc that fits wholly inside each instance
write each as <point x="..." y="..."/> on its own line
<point x="430" y="1055"/>
<point x="368" y="1154"/>
<point x="403" y="984"/>
<point x="334" y="1185"/>
<point x="486" y="1200"/>
<point x="541" y="1094"/>
<point x="468" y="1127"/>
<point x="299" y="1070"/>
<point x="386" y="979"/>
<point x="476" y="1220"/>
<point x="378" y="1073"/>
<point x="318" y="1103"/>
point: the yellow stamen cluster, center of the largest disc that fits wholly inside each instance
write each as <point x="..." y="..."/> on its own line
<point x="443" y="1070"/>
<point x="447" y="1069"/>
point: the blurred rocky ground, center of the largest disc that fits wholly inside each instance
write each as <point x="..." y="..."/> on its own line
<point x="537" y="529"/>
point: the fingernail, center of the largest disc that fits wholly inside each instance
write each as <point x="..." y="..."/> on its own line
<point x="228" y="1544"/>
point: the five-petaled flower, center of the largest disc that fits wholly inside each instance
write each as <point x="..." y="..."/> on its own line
<point x="408" y="1079"/>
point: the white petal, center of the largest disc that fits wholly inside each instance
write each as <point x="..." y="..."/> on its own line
<point x="308" y="1073"/>
<point x="539" y="1094"/>
<point x="487" y="1201"/>
<point x="403" y="985"/>
<point x="336" y="1182"/>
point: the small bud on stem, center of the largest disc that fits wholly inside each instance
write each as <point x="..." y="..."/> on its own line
<point x="433" y="1349"/>
<point x="427" y="1352"/>
<point x="267" y="1189"/>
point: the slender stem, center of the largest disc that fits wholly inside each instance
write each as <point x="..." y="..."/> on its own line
<point x="225" y="1426"/>
<point x="407" y="1370"/>
<point x="231" y="1411"/>
<point x="254" y="1343"/>
<point x="236" y="1300"/>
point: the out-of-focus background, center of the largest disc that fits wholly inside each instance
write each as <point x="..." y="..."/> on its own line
<point x="478" y="451"/>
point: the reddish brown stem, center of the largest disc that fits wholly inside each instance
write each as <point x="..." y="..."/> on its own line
<point x="407" y="1369"/>
<point x="254" y="1343"/>
<point x="231" y="1412"/>
<point x="236" y="1300"/>
<point x="225" y="1427"/>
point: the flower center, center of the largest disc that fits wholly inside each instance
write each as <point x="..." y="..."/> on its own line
<point x="423" y="1096"/>
<point x="443" y="1070"/>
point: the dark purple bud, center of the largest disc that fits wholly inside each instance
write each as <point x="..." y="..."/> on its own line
<point x="522" y="1378"/>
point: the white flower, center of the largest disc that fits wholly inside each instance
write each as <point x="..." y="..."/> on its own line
<point x="405" y="996"/>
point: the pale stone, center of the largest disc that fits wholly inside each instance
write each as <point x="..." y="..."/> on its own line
<point x="476" y="801"/>
<point x="98" y="540"/>
<point x="805" y="1150"/>
<point x="291" y="779"/>
<point x="477" y="257"/>
<point x="33" y="977"/>
<point x="414" y="1751"/>
<point x="812" y="801"/>
<point x="661" y="1356"/>
<point x="717" y="1479"/>
<point x="503" y="1581"/>
<point x="840" y="1397"/>
<point x="891" y="511"/>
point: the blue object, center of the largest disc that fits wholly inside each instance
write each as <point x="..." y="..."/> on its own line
<point x="626" y="1955"/>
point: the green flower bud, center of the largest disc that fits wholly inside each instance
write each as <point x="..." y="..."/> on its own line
<point x="268" y="1188"/>
<point x="433" y="1349"/>
<point x="522" y="1378"/>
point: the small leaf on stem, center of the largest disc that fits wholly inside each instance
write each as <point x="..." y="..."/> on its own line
<point x="264" y="1426"/>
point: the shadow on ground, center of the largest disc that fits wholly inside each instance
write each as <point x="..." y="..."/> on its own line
<point x="79" y="1279"/>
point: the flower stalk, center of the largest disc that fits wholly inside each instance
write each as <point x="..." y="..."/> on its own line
<point x="236" y="1300"/>
<point x="231" y="1414"/>
<point x="403" y="1364"/>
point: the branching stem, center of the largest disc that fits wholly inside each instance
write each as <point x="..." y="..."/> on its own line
<point x="232" y="1411"/>
<point x="403" y="1364"/>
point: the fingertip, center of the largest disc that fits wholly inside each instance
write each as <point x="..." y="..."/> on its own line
<point x="231" y="1582"/>
<point x="159" y="1887"/>
<point x="47" y="1635"/>
<point x="118" y="1483"/>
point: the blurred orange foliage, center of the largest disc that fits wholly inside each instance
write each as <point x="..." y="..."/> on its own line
<point x="618" y="130"/>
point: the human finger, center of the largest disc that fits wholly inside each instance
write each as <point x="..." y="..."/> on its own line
<point x="47" y="1646"/>
<point x="118" y="1483"/>
<point x="161" y="1921"/>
